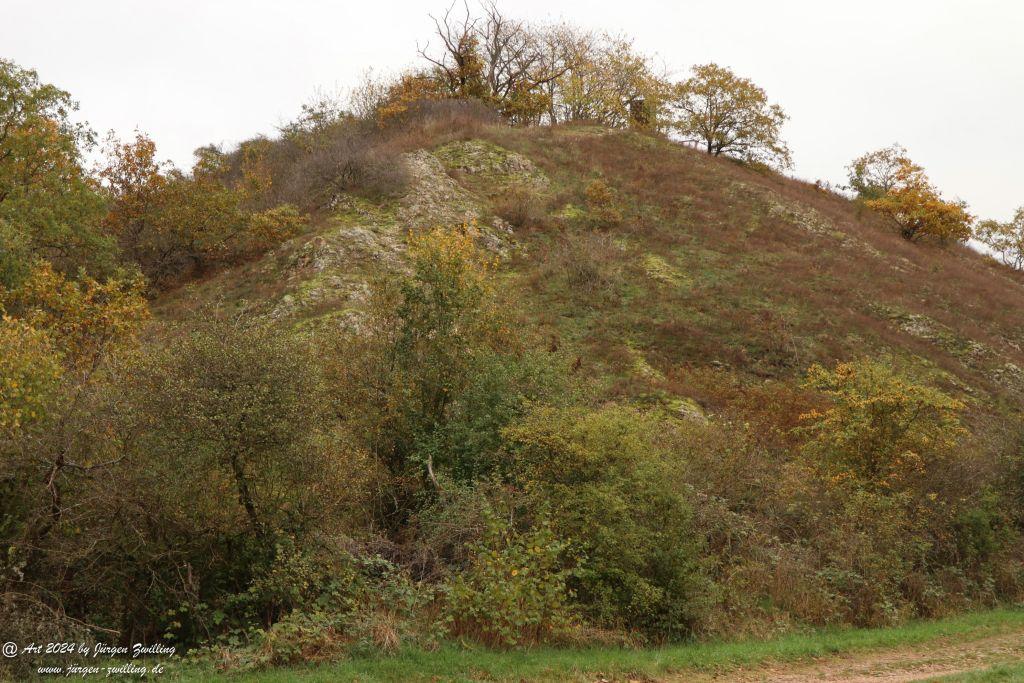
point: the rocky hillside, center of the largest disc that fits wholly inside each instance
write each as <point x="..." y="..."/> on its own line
<point x="650" y="261"/>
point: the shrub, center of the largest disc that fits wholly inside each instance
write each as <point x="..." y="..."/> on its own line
<point x="29" y="373"/>
<point x="436" y="371"/>
<point x="602" y="205"/>
<point x="521" y="207"/>
<point x="336" y="602"/>
<point x="603" y="478"/>
<point x="882" y="429"/>
<point x="347" y="156"/>
<point x="588" y="265"/>
<point x="224" y="437"/>
<point x="269" y="228"/>
<point x="427" y="118"/>
<point x="514" y="591"/>
<point x="84" y="319"/>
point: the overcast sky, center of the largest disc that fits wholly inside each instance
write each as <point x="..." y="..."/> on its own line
<point x="943" y="77"/>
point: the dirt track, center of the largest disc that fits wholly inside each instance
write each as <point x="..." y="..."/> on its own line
<point x="915" y="663"/>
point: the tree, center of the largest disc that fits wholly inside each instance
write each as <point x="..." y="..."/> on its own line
<point x="608" y="82"/>
<point x="875" y="174"/>
<point x="730" y="115"/>
<point x="172" y="224"/>
<point x="49" y="207"/>
<point x="918" y="208"/>
<point x="1006" y="239"/>
<point x="85" y="319"/>
<point x="562" y="48"/>
<point x="497" y="59"/>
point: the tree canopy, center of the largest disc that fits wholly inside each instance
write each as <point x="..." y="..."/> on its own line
<point x="730" y="115"/>
<point x="1004" y="238"/>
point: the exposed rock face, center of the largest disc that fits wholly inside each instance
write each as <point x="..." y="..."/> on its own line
<point x="434" y="198"/>
<point x="329" y="275"/>
<point x="493" y="167"/>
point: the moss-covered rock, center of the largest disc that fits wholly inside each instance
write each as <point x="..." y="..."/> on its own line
<point x="493" y="168"/>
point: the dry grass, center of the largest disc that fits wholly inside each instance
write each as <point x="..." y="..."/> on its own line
<point x="768" y="295"/>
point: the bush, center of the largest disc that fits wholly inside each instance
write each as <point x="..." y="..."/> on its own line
<point x="588" y="264"/>
<point x="225" y="439"/>
<point x="521" y="207"/>
<point x="339" y="601"/>
<point x="602" y="476"/>
<point x="347" y="156"/>
<point x="514" y="591"/>
<point x="882" y="429"/>
<point x="429" y="119"/>
<point x="436" y="372"/>
<point x="602" y="205"/>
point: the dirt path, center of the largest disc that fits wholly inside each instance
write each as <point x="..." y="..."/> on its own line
<point x="917" y="663"/>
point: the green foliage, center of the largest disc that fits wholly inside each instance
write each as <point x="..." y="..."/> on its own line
<point x="602" y="476"/>
<point x="730" y="115"/>
<point x="269" y="498"/>
<point x="29" y="373"/>
<point x="234" y="404"/>
<point x="224" y="437"/>
<point x="438" y="372"/>
<point x="45" y="194"/>
<point x="15" y="256"/>
<point x="514" y="591"/>
<point x="691" y="660"/>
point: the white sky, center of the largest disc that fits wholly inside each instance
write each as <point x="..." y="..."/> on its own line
<point x="943" y="77"/>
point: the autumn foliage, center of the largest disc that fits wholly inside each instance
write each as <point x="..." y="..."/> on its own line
<point x="727" y="114"/>
<point x="615" y="404"/>
<point x="174" y="225"/>
<point x="889" y="182"/>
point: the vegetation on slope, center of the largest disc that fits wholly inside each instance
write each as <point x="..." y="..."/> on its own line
<point x="418" y="378"/>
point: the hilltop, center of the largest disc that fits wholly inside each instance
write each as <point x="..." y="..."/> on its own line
<point x="706" y="266"/>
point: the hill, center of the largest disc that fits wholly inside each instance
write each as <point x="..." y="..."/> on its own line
<point x="445" y="381"/>
<point x="704" y="265"/>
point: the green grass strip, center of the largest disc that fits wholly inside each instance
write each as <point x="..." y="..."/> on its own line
<point x="452" y="663"/>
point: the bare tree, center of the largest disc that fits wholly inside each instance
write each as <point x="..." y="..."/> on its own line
<point x="459" y="62"/>
<point x="497" y="58"/>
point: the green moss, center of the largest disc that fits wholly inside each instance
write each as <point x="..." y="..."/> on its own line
<point x="490" y="168"/>
<point x="660" y="269"/>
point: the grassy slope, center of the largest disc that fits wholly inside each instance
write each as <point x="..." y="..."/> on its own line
<point x="722" y="266"/>
<point x="452" y="664"/>
<point x="744" y="276"/>
<point x="714" y="267"/>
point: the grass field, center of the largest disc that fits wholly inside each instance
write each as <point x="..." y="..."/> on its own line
<point x="456" y="664"/>
<point x="1003" y="672"/>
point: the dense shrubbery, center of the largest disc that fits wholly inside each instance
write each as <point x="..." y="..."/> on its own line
<point x="431" y="476"/>
<point x="604" y="477"/>
<point x="261" y="495"/>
